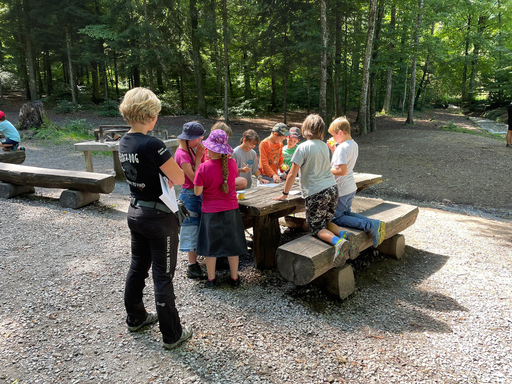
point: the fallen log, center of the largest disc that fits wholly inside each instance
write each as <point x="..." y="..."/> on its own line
<point x="13" y="157"/>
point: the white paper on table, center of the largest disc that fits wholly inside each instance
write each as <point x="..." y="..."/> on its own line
<point x="168" y="195"/>
<point x="268" y="185"/>
<point x="294" y="193"/>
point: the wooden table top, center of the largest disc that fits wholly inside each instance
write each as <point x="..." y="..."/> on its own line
<point x="258" y="201"/>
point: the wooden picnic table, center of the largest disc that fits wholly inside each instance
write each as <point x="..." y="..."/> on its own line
<point x="262" y="214"/>
<point x="111" y="146"/>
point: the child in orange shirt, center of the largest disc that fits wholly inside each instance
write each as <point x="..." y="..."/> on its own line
<point x="271" y="153"/>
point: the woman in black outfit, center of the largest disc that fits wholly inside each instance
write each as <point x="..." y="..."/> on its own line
<point x="154" y="228"/>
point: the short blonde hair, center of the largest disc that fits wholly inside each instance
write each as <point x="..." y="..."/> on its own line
<point x="313" y="127"/>
<point x="224" y="127"/>
<point x="340" y="124"/>
<point x="139" y="105"/>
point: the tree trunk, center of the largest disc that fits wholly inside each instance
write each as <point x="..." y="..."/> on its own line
<point x="337" y="64"/>
<point x="412" y="88"/>
<point x="373" y="74"/>
<point x="48" y="72"/>
<point x="95" y="83"/>
<point x="247" y="76"/>
<point x="474" y="61"/>
<point x="148" y="45"/>
<point x="71" y="75"/>
<point x="31" y="115"/>
<point x="363" y="98"/>
<point x="322" y="107"/>
<point x="389" y="75"/>
<point x="465" y="68"/>
<point x="226" y="59"/>
<point x="285" y="77"/>
<point x="30" y="52"/>
<point x="345" y="69"/>
<point x="273" y="95"/>
<point x="201" y="102"/>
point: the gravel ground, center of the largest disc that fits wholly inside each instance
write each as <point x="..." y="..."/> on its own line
<point x="442" y="314"/>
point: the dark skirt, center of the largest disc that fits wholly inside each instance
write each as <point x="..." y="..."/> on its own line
<point x="221" y="234"/>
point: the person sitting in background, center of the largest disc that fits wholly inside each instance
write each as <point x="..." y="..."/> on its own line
<point x="290" y="148"/>
<point x="12" y="137"/>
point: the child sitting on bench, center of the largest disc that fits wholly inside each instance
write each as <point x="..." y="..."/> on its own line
<point x="343" y="161"/>
<point x="12" y="137"/>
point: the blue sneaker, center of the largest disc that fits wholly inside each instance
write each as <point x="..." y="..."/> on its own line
<point x="378" y="231"/>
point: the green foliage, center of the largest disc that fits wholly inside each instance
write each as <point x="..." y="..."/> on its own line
<point x="65" y="106"/>
<point x="72" y="131"/>
<point x="109" y="108"/>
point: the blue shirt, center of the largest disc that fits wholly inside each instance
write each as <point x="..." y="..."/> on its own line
<point x="9" y="131"/>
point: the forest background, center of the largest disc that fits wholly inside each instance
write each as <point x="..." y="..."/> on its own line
<point x="247" y="57"/>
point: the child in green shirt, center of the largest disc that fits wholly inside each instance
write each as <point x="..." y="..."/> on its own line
<point x="290" y="148"/>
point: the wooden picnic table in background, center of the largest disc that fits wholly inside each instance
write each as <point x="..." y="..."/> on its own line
<point x="262" y="214"/>
<point x="111" y="146"/>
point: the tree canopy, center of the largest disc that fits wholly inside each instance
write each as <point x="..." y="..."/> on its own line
<point x="327" y="56"/>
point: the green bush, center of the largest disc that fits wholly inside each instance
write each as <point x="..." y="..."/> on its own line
<point x="65" y="106"/>
<point x="71" y="131"/>
<point x="109" y="108"/>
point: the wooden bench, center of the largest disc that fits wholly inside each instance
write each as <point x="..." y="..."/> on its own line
<point x="81" y="188"/>
<point x="308" y="258"/>
<point x="13" y="157"/>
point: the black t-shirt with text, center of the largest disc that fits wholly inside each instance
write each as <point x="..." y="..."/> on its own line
<point x="141" y="157"/>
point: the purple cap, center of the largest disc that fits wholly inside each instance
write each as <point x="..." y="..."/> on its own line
<point x="218" y="142"/>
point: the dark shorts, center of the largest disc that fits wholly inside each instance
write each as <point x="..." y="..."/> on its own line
<point x="8" y="141"/>
<point x="510" y="127"/>
<point x="221" y="234"/>
<point x="320" y="208"/>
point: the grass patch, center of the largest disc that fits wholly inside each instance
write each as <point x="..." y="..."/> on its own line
<point x="451" y="127"/>
<point x="71" y="132"/>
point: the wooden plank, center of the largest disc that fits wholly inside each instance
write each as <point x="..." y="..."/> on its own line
<point x="13" y="157"/>
<point x="364" y="180"/>
<point x="117" y="167"/>
<point x="88" y="161"/>
<point x="56" y="178"/>
<point x="308" y="257"/>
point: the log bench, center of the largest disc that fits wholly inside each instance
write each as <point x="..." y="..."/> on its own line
<point x="81" y="188"/>
<point x="13" y="157"/>
<point x="308" y="258"/>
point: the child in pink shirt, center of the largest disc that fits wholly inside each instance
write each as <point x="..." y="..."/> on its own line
<point x="221" y="230"/>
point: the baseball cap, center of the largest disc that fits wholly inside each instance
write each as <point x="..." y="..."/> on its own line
<point x="281" y="128"/>
<point x="294" y="132"/>
<point x="2" y="115"/>
<point x="192" y="130"/>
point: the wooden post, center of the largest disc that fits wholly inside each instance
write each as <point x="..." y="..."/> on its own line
<point x="266" y="240"/>
<point x="13" y="157"/>
<point x="77" y="199"/>
<point x="8" y="190"/>
<point x="117" y="166"/>
<point x="394" y="246"/>
<point x="88" y="161"/>
<point x="338" y="281"/>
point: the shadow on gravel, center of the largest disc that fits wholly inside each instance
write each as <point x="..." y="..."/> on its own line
<point x="387" y="296"/>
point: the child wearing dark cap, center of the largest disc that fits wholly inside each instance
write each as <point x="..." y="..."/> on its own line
<point x="12" y="137"/>
<point x="290" y="148"/>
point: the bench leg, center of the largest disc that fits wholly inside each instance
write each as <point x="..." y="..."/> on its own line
<point x="88" y="161"/>
<point x="117" y="166"/>
<point x="77" y="199"/>
<point x="338" y="281"/>
<point x="8" y="190"/>
<point x="394" y="246"/>
<point x="266" y="240"/>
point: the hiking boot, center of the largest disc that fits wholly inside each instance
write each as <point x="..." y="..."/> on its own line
<point x="234" y="283"/>
<point x="509" y="145"/>
<point x="21" y="148"/>
<point x="211" y="283"/>
<point x="186" y="333"/>
<point x="14" y="147"/>
<point x="378" y="231"/>
<point x="150" y="319"/>
<point x="345" y="235"/>
<point x="194" y="271"/>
